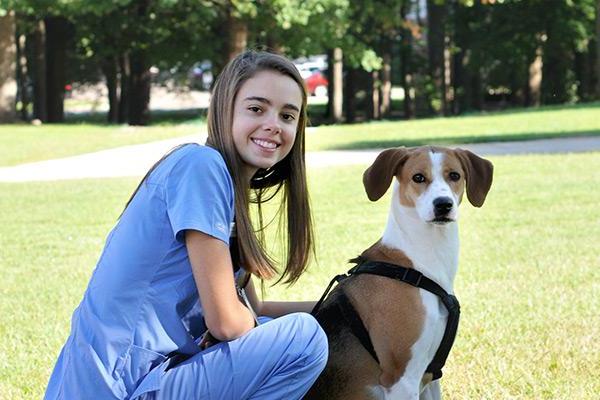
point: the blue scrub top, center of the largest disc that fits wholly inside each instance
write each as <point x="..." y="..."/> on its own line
<point x="142" y="302"/>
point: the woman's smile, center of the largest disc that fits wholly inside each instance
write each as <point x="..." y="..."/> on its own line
<point x="266" y="144"/>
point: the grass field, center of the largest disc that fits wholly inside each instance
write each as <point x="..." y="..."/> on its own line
<point x="26" y="143"/>
<point x="23" y="143"/>
<point x="522" y="124"/>
<point x="529" y="280"/>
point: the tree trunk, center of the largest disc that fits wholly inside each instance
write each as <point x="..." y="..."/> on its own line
<point x="273" y="42"/>
<point x="139" y="88"/>
<point x="458" y="83"/>
<point x="584" y="72"/>
<point x="597" y="68"/>
<point x="58" y="33"/>
<point x="556" y="64"/>
<point x="335" y="89"/>
<point x="447" y="88"/>
<point x="436" y="15"/>
<point x="237" y="36"/>
<point x="534" y="88"/>
<point x="476" y="89"/>
<point x="386" y="82"/>
<point x="110" y="71"/>
<point x="8" y="58"/>
<point x="124" y="98"/>
<point x="350" y="95"/>
<point x="234" y="32"/>
<point x="458" y="60"/>
<point x="517" y="94"/>
<point x="22" y="76"/>
<point x="374" y="100"/>
<point x="37" y="41"/>
<point x="406" y="75"/>
<point x="140" y="81"/>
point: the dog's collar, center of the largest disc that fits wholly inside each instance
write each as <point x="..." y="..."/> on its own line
<point x="412" y="277"/>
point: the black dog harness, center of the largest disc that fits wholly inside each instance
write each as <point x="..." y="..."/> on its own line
<point x="406" y="275"/>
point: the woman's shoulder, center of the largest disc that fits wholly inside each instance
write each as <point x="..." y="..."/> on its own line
<point x="195" y="155"/>
<point x="190" y="156"/>
<point x="200" y="152"/>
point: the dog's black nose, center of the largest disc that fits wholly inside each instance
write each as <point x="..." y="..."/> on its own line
<point x="442" y="206"/>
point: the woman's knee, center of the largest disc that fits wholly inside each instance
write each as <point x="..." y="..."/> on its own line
<point x="308" y="337"/>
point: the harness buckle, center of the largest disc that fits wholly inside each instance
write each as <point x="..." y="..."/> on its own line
<point x="412" y="277"/>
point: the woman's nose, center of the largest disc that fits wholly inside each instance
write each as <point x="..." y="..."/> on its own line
<point x="273" y="124"/>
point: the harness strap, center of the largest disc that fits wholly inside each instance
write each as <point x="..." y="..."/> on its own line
<point x="412" y="277"/>
<point x="417" y="279"/>
<point x="355" y="323"/>
<point x="338" y="279"/>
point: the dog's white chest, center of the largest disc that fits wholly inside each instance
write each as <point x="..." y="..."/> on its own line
<point x="409" y="385"/>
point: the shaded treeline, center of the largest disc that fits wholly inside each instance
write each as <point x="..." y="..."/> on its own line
<point x="447" y="56"/>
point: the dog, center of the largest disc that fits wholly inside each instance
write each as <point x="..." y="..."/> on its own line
<point x="405" y="324"/>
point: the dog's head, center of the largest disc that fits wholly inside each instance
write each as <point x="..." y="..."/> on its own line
<point x="431" y="179"/>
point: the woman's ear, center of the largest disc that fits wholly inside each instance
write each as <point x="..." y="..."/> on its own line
<point x="378" y="177"/>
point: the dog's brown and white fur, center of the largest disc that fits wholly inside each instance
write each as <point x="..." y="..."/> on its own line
<point x="405" y="323"/>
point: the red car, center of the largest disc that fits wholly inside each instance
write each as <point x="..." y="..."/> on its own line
<point x="316" y="84"/>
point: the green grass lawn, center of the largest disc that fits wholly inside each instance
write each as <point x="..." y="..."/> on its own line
<point x="521" y="124"/>
<point x="26" y="143"/>
<point x="528" y="282"/>
<point x="23" y="143"/>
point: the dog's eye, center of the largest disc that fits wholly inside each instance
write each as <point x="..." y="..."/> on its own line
<point x="454" y="176"/>
<point x="418" y="178"/>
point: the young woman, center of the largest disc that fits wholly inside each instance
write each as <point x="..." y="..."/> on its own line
<point x="167" y="274"/>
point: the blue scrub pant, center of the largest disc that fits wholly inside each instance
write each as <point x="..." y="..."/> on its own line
<point x="279" y="359"/>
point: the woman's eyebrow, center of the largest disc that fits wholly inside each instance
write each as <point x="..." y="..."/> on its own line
<point x="267" y="101"/>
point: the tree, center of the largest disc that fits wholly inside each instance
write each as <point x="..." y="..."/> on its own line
<point x="8" y="52"/>
<point x="597" y="61"/>
<point x="408" y="32"/>
<point x="335" y="89"/>
<point x="59" y="35"/>
<point x="437" y="46"/>
<point x="126" y="39"/>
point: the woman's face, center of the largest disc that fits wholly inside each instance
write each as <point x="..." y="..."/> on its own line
<point x="265" y="119"/>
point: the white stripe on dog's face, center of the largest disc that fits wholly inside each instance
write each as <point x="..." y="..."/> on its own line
<point x="433" y="183"/>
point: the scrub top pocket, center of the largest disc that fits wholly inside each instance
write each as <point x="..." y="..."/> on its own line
<point x="138" y="363"/>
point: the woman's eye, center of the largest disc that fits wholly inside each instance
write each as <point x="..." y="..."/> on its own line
<point x="418" y="178"/>
<point x="288" y="117"/>
<point x="254" y="109"/>
<point x="454" y="176"/>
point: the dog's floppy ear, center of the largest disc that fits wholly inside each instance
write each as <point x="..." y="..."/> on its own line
<point x="378" y="177"/>
<point x="479" y="173"/>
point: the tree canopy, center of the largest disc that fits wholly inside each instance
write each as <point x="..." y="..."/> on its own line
<point x="448" y="56"/>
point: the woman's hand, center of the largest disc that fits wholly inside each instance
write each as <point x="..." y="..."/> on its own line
<point x="207" y="341"/>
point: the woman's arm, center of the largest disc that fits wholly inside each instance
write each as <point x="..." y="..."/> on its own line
<point x="226" y="317"/>
<point x="276" y="309"/>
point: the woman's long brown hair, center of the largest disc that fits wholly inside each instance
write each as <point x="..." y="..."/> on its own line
<point x="288" y="174"/>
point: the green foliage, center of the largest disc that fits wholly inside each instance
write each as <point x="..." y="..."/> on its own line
<point x="502" y="39"/>
<point x="299" y="27"/>
<point x="497" y="41"/>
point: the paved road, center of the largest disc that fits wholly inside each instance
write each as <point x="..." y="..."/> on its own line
<point x="135" y="160"/>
